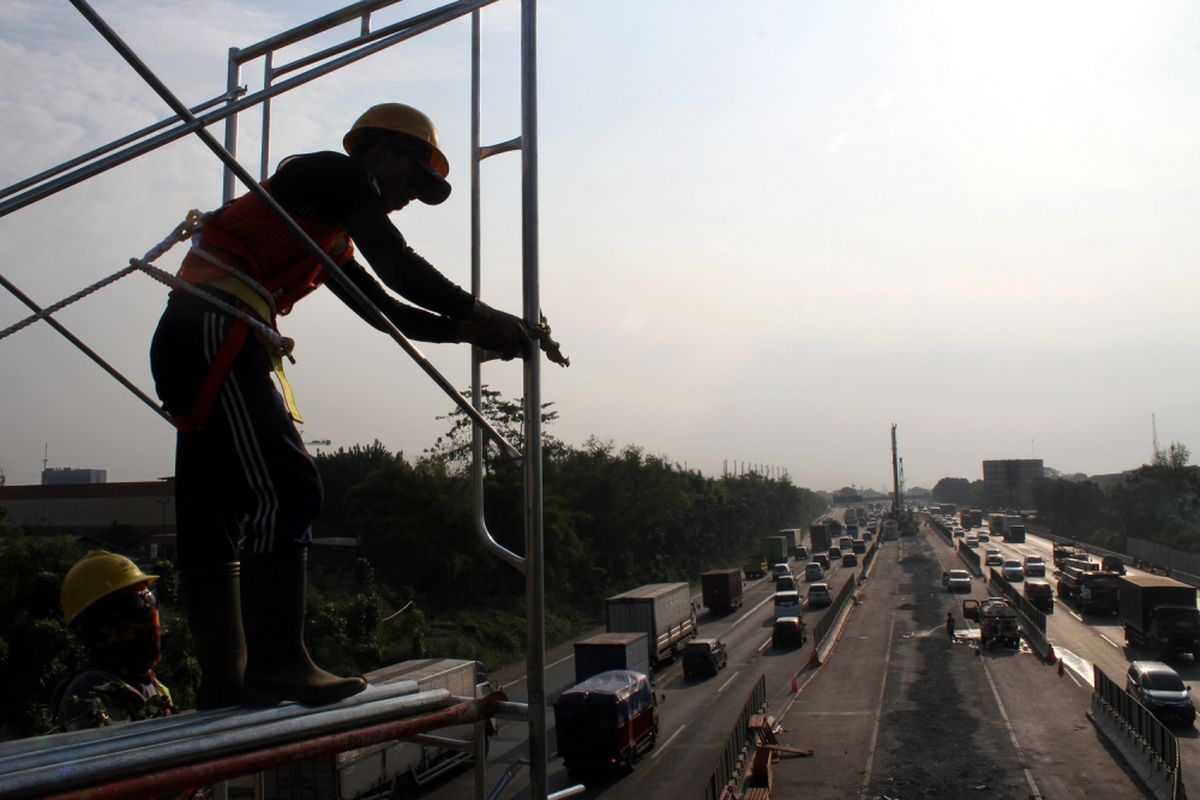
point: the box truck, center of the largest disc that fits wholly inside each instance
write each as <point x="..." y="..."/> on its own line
<point x="721" y="590"/>
<point x="662" y="611"/>
<point x="1159" y="614"/>
<point x="608" y="651"/>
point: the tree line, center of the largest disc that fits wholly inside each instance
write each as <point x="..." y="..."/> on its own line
<point x="419" y="583"/>
<point x="1159" y="502"/>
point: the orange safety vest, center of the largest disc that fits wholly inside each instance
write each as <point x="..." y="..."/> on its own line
<point x="249" y="236"/>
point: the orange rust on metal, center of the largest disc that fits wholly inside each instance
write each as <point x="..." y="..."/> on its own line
<point x="179" y="779"/>
<point x="762" y="774"/>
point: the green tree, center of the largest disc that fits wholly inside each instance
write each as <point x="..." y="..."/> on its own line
<point x="952" y="490"/>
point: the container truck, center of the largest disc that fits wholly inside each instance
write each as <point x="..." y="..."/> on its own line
<point x="755" y="566"/>
<point x="606" y="721"/>
<point x="1159" y="614"/>
<point x="397" y="767"/>
<point x="793" y="537"/>
<point x="1094" y="591"/>
<point x="721" y="590"/>
<point x="662" y="611"/>
<point x="775" y="549"/>
<point x="818" y="538"/>
<point x="608" y="651"/>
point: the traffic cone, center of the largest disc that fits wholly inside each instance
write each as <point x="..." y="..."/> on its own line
<point x="795" y="688"/>
<point x="1050" y="657"/>
<point x="1060" y="667"/>
<point x="814" y="662"/>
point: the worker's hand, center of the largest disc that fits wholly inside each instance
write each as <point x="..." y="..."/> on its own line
<point x="496" y="331"/>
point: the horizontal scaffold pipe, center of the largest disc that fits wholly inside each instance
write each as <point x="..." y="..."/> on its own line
<point x="174" y="752"/>
<point x="25" y="754"/>
<point x="445" y="14"/>
<point x="182" y="778"/>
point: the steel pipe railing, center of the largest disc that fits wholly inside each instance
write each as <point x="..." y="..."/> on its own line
<point x="26" y="754"/>
<point x="246" y="761"/>
<point x="449" y="13"/>
<point x="33" y="180"/>
<point x="169" y="754"/>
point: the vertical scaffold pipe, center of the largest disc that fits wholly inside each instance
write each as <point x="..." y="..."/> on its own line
<point x="535" y="572"/>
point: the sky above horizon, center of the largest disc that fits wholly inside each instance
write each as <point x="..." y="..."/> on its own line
<point x="766" y="235"/>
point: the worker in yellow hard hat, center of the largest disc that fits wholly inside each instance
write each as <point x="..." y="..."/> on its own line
<point x="246" y="489"/>
<point x="109" y="603"/>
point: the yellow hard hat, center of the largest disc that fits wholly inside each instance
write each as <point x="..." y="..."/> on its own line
<point x="97" y="575"/>
<point x="408" y="121"/>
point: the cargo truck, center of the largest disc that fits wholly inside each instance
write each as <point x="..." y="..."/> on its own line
<point x="609" y="720"/>
<point x="775" y="549"/>
<point x="662" y="611"/>
<point x="794" y="538"/>
<point x="1159" y="614"/>
<point x="818" y="538"/>
<point x="755" y="566"/>
<point x="608" y="651"/>
<point x="1094" y="591"/>
<point x="721" y="590"/>
<point x="396" y="768"/>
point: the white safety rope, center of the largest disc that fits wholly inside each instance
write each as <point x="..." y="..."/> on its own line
<point x="181" y="232"/>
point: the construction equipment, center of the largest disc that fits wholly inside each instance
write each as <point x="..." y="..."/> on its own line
<point x="997" y="620"/>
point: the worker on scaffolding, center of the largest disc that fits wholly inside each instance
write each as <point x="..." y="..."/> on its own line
<point x="246" y="488"/>
<point x="107" y="601"/>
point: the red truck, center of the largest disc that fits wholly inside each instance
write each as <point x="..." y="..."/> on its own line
<point x="608" y="720"/>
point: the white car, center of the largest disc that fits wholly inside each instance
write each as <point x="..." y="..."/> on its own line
<point x="818" y="595"/>
<point x="957" y="580"/>
<point x="971" y="540"/>
<point x="1012" y="570"/>
<point x="993" y="558"/>
<point x="787" y="604"/>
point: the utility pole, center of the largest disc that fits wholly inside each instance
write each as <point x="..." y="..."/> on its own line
<point x="895" y="477"/>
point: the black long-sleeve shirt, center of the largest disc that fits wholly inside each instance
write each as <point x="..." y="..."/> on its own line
<point x="330" y="187"/>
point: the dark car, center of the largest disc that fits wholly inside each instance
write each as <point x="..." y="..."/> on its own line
<point x="1040" y="595"/>
<point x="703" y="657"/>
<point x="802" y="553"/>
<point x="835" y="554"/>
<point x="789" y="632"/>
<point x="849" y="560"/>
<point x="859" y="546"/>
<point x="1160" y="689"/>
<point x="1113" y="564"/>
<point x="823" y="560"/>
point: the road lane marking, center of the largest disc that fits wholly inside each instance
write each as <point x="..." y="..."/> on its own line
<point x="763" y="646"/>
<point x="726" y="683"/>
<point x="1076" y="616"/>
<point x="667" y="743"/>
<point x="1110" y="641"/>
<point x="887" y="659"/>
<point x="548" y="666"/>
<point x="1033" y="790"/>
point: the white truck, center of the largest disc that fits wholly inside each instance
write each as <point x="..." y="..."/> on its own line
<point x="370" y="771"/>
<point x="662" y="611"/>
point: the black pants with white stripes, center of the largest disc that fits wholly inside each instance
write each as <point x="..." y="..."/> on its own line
<point x="244" y="480"/>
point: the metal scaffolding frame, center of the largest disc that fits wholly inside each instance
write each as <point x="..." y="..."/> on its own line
<point x="235" y="99"/>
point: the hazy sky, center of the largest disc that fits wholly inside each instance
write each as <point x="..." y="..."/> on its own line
<point x="769" y="230"/>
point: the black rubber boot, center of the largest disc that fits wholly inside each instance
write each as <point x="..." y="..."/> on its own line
<point x="212" y="601"/>
<point x="278" y="667"/>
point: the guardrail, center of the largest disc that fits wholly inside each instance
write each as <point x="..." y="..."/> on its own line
<point x="1150" y="732"/>
<point x="968" y="555"/>
<point x="1034" y="616"/>
<point x="733" y="757"/>
<point x="826" y="624"/>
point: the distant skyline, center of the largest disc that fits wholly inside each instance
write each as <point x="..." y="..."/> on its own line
<point x="766" y="234"/>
